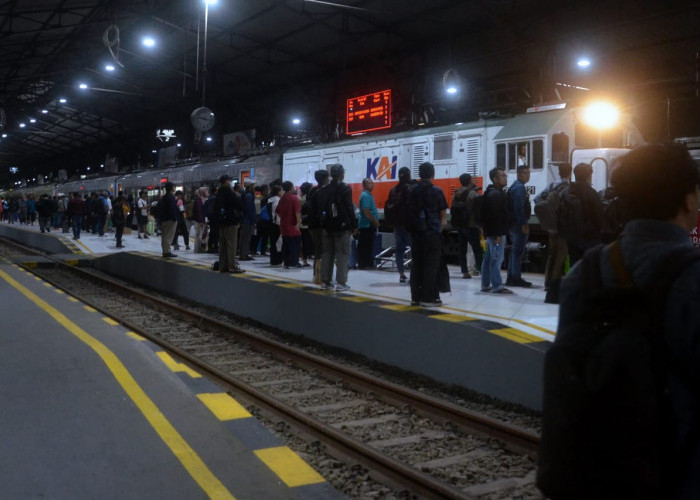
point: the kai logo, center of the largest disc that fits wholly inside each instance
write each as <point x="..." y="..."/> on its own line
<point x="380" y="168"/>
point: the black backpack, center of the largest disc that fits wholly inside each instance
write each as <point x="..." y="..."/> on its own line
<point x="607" y="431"/>
<point x="396" y="210"/>
<point x="570" y="215"/>
<point x="459" y="214"/>
<point x="159" y="210"/>
<point x="334" y="218"/>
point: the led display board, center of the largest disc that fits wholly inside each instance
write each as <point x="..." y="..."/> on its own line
<point x="369" y="112"/>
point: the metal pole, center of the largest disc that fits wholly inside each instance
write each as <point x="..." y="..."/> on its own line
<point x="196" y="78"/>
<point x="204" y="66"/>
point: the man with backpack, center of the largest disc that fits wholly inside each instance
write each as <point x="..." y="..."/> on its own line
<point x="580" y="214"/>
<point x="621" y="410"/>
<point x="166" y="213"/>
<point x="229" y="213"/>
<point x="546" y="204"/>
<point x="462" y="219"/>
<point x="519" y="211"/>
<point x="396" y="213"/>
<point x="339" y="223"/>
<point x="311" y="211"/>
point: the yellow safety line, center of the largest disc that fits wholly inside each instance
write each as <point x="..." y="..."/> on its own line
<point x="83" y="245"/>
<point x="170" y="436"/>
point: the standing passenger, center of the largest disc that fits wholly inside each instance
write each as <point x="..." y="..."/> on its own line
<point x="429" y="213"/>
<point x="167" y="211"/>
<point x="76" y="211"/>
<point x="200" y="222"/>
<point x="181" y="228"/>
<point x="339" y="222"/>
<point x="119" y="214"/>
<point x="229" y="212"/>
<point x="265" y="220"/>
<point x="289" y="211"/>
<point x="275" y="250"/>
<point x="519" y="215"/>
<point x="142" y="207"/>
<point x="396" y="213"/>
<point x="367" y="223"/>
<point x="248" y="223"/>
<point x="494" y="216"/>
<point x="467" y="229"/>
<point x="45" y="209"/>
<point x="314" y="220"/>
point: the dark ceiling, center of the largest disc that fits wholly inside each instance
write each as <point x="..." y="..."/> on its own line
<point x="269" y="60"/>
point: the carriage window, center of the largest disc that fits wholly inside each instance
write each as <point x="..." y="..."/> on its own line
<point x="442" y="147"/>
<point x="501" y="155"/>
<point x="537" y="154"/>
<point x="512" y="156"/>
<point x="560" y="148"/>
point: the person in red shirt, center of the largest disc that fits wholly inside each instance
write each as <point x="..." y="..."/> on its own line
<point x="289" y="212"/>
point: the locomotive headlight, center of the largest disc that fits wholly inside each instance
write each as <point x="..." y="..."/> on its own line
<point x="600" y="115"/>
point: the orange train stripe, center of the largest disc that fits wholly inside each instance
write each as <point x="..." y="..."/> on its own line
<point x="381" y="189"/>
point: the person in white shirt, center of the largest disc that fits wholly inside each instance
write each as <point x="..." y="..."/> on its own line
<point x="142" y="207"/>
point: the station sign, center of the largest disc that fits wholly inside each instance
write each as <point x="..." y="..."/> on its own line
<point x="165" y="134"/>
<point x="369" y="112"/>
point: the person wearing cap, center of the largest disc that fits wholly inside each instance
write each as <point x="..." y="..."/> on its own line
<point x="229" y="213"/>
<point x="168" y="219"/>
<point x="428" y="208"/>
<point x="314" y="220"/>
<point x="518" y="225"/>
<point x="249" y="219"/>
<point x="339" y="223"/>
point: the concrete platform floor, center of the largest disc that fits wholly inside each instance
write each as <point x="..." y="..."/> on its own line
<point x="90" y="410"/>
<point x="525" y="309"/>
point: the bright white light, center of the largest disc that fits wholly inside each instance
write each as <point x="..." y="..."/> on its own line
<point x="149" y="42"/>
<point x="4" y="136"/>
<point x="32" y="120"/>
<point x="584" y="62"/>
<point x="102" y="166"/>
<point x="296" y="121"/>
<point x="22" y="125"/>
<point x="209" y="139"/>
<point x="109" y="67"/>
<point x="179" y="145"/>
<point x="452" y="90"/>
<point x="63" y="100"/>
<point x="83" y="86"/>
<point x="154" y="151"/>
<point x="600" y="115"/>
<point x="211" y="2"/>
<point x="44" y="111"/>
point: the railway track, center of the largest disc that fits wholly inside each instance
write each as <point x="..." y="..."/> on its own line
<point x="418" y="444"/>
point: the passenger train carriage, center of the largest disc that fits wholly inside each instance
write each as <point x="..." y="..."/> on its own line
<point x="542" y="139"/>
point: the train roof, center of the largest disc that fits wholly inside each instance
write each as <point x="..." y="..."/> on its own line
<point x="531" y="124"/>
<point x="402" y="135"/>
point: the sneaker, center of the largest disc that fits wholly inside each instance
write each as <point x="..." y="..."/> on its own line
<point x="403" y="279"/>
<point x="486" y="290"/>
<point x="237" y="270"/>
<point x="169" y="255"/>
<point x="139" y="236"/>
<point x="466" y="276"/>
<point x="341" y="287"/>
<point x="176" y="247"/>
<point x="415" y="303"/>
<point x="145" y="236"/>
<point x="521" y="283"/>
<point x="503" y="291"/>
<point x="433" y="303"/>
<point x="326" y="286"/>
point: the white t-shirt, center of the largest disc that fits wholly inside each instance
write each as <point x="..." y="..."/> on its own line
<point x="143" y="206"/>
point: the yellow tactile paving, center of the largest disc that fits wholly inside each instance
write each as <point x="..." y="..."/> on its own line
<point x="291" y="469"/>
<point x="48" y="285"/>
<point x="90" y="309"/>
<point x="516" y="335"/>
<point x="452" y="318"/>
<point x="401" y="307"/>
<point x="357" y="299"/>
<point x="110" y="321"/>
<point x="72" y="299"/>
<point x="136" y="336"/>
<point x="175" y="366"/>
<point x="223" y="406"/>
<point x="291" y="285"/>
<point x="60" y="292"/>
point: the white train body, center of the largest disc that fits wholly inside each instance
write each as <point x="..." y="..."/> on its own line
<point x="541" y="140"/>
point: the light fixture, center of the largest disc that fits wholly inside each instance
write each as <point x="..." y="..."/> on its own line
<point x="600" y="115"/>
<point x="211" y="2"/>
<point x="148" y="42"/>
<point x="22" y="125"/>
<point x="63" y="100"/>
<point x="583" y="62"/>
<point x="88" y="169"/>
<point x="452" y="90"/>
<point x="209" y="139"/>
<point x="44" y="111"/>
<point x="296" y="121"/>
<point x="32" y="120"/>
<point x="179" y="145"/>
<point x="83" y="86"/>
<point x="109" y="67"/>
<point x="102" y="165"/>
<point x="154" y="151"/>
<point x="4" y="136"/>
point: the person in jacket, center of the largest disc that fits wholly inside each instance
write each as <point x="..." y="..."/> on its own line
<point x="588" y="227"/>
<point x="556" y="247"/>
<point x="428" y="206"/>
<point x="229" y="212"/>
<point x="469" y="233"/>
<point x="199" y="219"/>
<point x="264" y="220"/>
<point x="519" y="211"/>
<point x="248" y="222"/>
<point x="289" y="212"/>
<point x="120" y="211"/>
<point x="276" y="258"/>
<point x="339" y="223"/>
<point x="314" y="220"/>
<point x="494" y="216"/>
<point x="142" y="207"/>
<point x="181" y="227"/>
<point x="658" y="186"/>
<point x="45" y="210"/>
<point x="398" y="215"/>
<point x="76" y="211"/>
<point x="168" y="219"/>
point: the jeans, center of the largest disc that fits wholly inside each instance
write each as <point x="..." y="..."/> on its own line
<point x="100" y="225"/>
<point x="336" y="248"/>
<point x="515" y="263"/>
<point x="425" y="266"/>
<point x="77" y="225"/>
<point x="403" y="241"/>
<point x="469" y="236"/>
<point x="365" y="247"/>
<point x="491" y="268"/>
<point x="290" y="250"/>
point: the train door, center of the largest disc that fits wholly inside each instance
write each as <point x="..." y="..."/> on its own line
<point x="417" y="152"/>
<point x="469" y="158"/>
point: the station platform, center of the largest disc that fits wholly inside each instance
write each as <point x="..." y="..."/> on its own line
<point x="91" y="410"/>
<point x="493" y="344"/>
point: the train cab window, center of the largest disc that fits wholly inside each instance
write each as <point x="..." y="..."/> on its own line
<point x="560" y="148"/>
<point x="501" y="155"/>
<point x="442" y="147"/>
<point x="512" y="156"/>
<point x="537" y="154"/>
